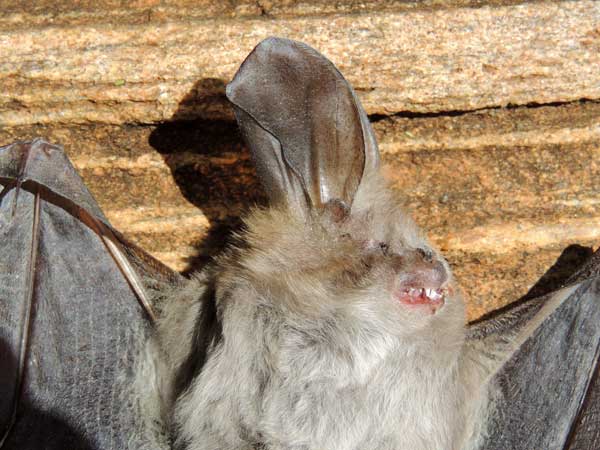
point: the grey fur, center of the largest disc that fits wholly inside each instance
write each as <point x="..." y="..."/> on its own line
<point x="310" y="357"/>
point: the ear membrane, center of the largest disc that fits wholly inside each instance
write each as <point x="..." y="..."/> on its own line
<point x="308" y="134"/>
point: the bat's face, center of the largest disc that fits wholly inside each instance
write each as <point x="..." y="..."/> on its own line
<point x="336" y="252"/>
<point x="369" y="266"/>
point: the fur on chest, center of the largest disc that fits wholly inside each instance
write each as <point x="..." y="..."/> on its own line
<point x="399" y="404"/>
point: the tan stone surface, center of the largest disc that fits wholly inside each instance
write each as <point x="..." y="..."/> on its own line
<point x="22" y="13"/>
<point x="153" y="60"/>
<point x="502" y="192"/>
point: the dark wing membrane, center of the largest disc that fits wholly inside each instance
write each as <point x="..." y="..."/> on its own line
<point x="585" y="434"/>
<point x="72" y="328"/>
<point x="542" y="394"/>
<point x="309" y="136"/>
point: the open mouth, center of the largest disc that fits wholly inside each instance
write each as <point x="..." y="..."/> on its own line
<point x="429" y="299"/>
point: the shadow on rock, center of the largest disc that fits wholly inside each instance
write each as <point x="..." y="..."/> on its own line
<point x="210" y="164"/>
<point x="570" y="261"/>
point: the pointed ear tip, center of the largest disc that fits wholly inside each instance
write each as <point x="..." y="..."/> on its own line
<point x="275" y="47"/>
<point x="263" y="48"/>
<point x="272" y="41"/>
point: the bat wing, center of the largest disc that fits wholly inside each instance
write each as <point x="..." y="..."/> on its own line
<point x="74" y="311"/>
<point x="542" y="387"/>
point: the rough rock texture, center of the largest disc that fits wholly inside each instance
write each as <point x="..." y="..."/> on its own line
<point x="149" y="62"/>
<point x="503" y="191"/>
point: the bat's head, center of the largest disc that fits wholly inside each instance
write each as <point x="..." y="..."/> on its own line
<point x="335" y="249"/>
<point x="366" y="267"/>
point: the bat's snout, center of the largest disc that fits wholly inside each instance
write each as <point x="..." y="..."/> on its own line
<point x="421" y="282"/>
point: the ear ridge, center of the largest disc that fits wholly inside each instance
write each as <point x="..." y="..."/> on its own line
<point x="282" y="185"/>
<point x="320" y="142"/>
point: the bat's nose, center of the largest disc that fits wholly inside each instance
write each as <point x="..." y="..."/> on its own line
<point x="420" y="281"/>
<point x="420" y="268"/>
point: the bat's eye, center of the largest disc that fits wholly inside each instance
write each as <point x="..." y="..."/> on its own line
<point x="426" y="254"/>
<point x="372" y="246"/>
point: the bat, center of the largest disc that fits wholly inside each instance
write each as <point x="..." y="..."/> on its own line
<point x="329" y="323"/>
<point x="336" y="325"/>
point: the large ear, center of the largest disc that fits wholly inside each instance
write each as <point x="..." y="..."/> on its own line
<point x="310" y="138"/>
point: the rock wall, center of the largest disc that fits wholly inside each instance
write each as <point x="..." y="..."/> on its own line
<point x="487" y="114"/>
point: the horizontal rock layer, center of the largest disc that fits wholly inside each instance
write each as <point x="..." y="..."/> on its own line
<point x="503" y="192"/>
<point x="147" y="62"/>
